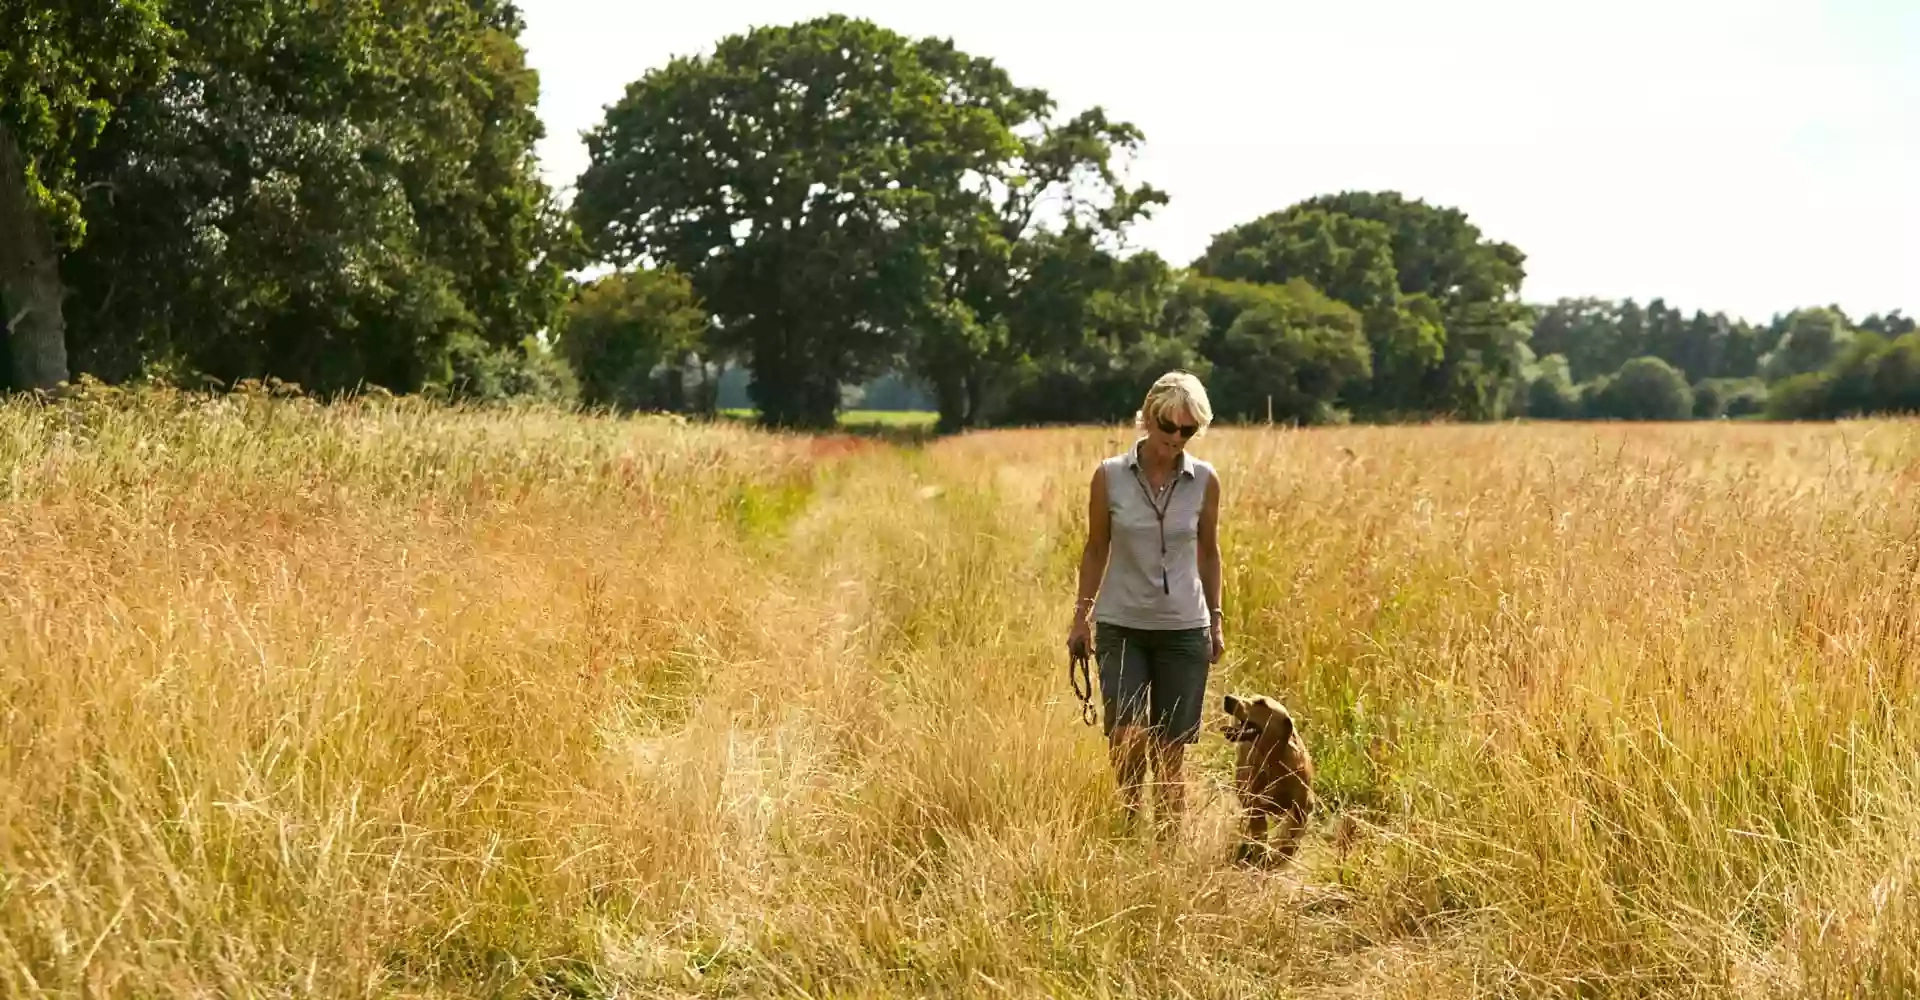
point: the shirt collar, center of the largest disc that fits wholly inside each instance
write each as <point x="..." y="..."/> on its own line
<point x="1133" y="458"/>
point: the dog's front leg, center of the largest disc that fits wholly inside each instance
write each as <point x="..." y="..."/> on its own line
<point x="1252" y="849"/>
<point x="1293" y="823"/>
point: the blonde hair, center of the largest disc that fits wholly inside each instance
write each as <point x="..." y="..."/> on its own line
<point x="1171" y="391"/>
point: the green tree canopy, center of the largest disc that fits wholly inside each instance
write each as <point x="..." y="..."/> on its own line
<point x="63" y="66"/>
<point x="332" y="194"/>
<point x="1896" y="376"/>
<point x="1599" y="335"/>
<point x="1348" y="258"/>
<point x="1099" y="329"/>
<point x="628" y="335"/>
<point x="1893" y="324"/>
<point x="1473" y="281"/>
<point x="1645" y="388"/>
<point x="1436" y="298"/>
<point x="1551" y="395"/>
<point x="1045" y="231"/>
<point x="1811" y="340"/>
<point x="819" y="183"/>
<point x="1286" y="347"/>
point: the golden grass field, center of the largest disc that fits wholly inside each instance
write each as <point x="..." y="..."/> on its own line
<point x="382" y="700"/>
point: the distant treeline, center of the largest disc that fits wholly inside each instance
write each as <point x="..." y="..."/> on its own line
<point x="345" y="196"/>
<point x="1623" y="360"/>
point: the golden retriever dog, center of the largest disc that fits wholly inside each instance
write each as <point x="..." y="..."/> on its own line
<point x="1273" y="776"/>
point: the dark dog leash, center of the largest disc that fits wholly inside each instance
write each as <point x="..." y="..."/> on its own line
<point x="1080" y="675"/>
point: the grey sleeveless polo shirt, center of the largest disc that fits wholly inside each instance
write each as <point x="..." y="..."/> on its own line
<point x="1142" y="589"/>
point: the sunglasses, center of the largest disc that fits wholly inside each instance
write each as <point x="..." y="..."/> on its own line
<point x="1185" y="430"/>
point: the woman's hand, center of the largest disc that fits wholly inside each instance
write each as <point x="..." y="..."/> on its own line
<point x="1079" y="638"/>
<point x="1218" y="631"/>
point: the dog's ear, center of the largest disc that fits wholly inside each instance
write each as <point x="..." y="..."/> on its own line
<point x="1234" y="707"/>
<point x="1277" y="721"/>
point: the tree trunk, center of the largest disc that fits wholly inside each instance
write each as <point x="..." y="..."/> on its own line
<point x="30" y="288"/>
<point x="705" y="399"/>
<point x="976" y="395"/>
<point x="950" y="397"/>
<point x="779" y="385"/>
<point x="820" y="407"/>
<point x="676" y="401"/>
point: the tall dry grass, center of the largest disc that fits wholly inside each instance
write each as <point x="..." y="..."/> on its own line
<point x="383" y="700"/>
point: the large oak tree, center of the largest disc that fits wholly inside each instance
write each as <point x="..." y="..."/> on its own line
<point x="845" y="198"/>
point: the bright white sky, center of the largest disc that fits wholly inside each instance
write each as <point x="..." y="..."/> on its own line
<point x="1741" y="155"/>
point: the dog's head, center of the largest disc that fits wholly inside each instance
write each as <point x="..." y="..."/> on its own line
<point x="1257" y="716"/>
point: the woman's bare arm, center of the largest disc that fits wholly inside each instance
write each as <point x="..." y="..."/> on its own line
<point x="1093" y="556"/>
<point x="1209" y="554"/>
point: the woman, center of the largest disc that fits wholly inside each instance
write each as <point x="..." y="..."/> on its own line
<point x="1153" y="554"/>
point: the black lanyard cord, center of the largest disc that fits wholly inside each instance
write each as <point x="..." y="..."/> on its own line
<point x="1160" y="515"/>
